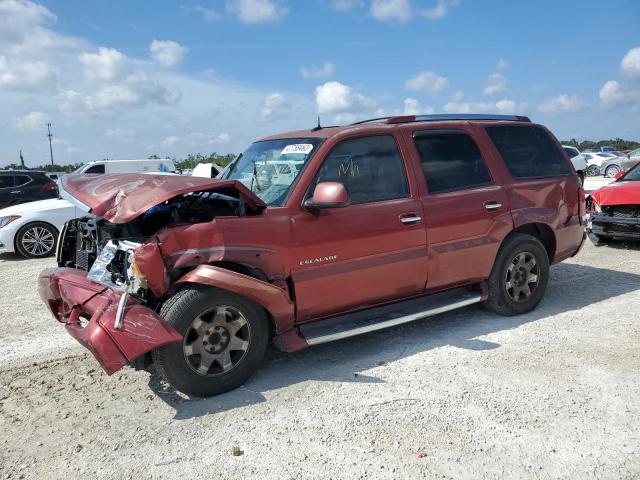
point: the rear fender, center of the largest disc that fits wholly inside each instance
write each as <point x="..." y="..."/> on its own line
<point x="272" y="298"/>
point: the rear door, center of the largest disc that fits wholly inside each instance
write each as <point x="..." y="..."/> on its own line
<point x="369" y="252"/>
<point x="6" y="187"/>
<point x="467" y="211"/>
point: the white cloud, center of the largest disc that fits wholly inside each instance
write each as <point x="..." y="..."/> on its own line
<point x="561" y="104"/>
<point x="31" y="121"/>
<point x="324" y="71"/>
<point x="439" y="10"/>
<point x="630" y="64"/>
<point x="335" y="97"/>
<point x="167" y="53"/>
<point x="346" y="5"/>
<point x="504" y="106"/>
<point x="197" y="139"/>
<point x="121" y="134"/>
<point x="170" y="141"/>
<point x="496" y="83"/>
<point x="391" y="10"/>
<point x="614" y="94"/>
<point x="256" y="11"/>
<point x="414" y="107"/>
<point x="274" y="104"/>
<point x="208" y="14"/>
<point x="502" y="64"/>
<point x="17" y="73"/>
<point x="428" y="82"/>
<point x="107" y="65"/>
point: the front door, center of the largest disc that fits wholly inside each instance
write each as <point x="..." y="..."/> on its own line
<point x="369" y="252"/>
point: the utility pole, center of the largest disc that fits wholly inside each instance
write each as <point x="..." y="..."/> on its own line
<point x="50" y="148"/>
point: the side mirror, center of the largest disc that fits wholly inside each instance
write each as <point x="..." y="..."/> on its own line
<point x="328" y="195"/>
<point x="619" y="174"/>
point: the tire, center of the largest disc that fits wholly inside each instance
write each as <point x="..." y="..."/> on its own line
<point x="611" y="171"/>
<point x="36" y="240"/>
<point x="211" y="321"/>
<point x="593" y="171"/>
<point x="510" y="278"/>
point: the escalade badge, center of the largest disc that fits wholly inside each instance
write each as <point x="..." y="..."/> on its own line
<point x="312" y="261"/>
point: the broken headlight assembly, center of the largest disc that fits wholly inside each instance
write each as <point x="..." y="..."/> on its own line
<point x="116" y="267"/>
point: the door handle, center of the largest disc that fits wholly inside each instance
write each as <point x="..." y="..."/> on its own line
<point x="492" y="205"/>
<point x="17" y="191"/>
<point x="410" y="219"/>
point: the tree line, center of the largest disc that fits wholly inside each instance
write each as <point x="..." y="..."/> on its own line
<point x="190" y="161"/>
<point x="617" y="144"/>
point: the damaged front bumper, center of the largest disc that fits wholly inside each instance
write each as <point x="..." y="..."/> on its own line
<point x="603" y="225"/>
<point x="89" y="311"/>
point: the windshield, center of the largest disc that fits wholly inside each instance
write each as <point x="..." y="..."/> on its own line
<point x="269" y="168"/>
<point x="632" y="175"/>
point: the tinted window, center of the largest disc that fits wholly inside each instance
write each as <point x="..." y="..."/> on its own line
<point x="95" y="169"/>
<point x="21" y="180"/>
<point x="6" y="181"/>
<point x="451" y="161"/>
<point x="369" y="167"/>
<point x="528" y="151"/>
<point x="571" y="152"/>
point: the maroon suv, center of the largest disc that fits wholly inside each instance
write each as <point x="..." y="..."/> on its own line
<point x="313" y="236"/>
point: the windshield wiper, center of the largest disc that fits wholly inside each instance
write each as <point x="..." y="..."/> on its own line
<point x="254" y="177"/>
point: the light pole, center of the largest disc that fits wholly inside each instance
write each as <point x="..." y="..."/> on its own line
<point x="50" y="148"/>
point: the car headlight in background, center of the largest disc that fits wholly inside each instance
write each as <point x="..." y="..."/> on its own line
<point x="4" y="221"/>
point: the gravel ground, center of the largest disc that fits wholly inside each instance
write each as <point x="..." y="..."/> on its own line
<point x="551" y="394"/>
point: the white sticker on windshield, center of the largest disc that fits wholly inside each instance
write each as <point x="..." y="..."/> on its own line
<point x="297" y="148"/>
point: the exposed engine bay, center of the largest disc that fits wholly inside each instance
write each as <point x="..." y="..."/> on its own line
<point x="106" y="250"/>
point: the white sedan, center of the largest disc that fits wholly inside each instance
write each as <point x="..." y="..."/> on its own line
<point x="594" y="161"/>
<point x="31" y="229"/>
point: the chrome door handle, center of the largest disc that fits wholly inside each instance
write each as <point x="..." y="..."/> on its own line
<point x="492" y="206"/>
<point x="17" y="191"/>
<point x="410" y="219"/>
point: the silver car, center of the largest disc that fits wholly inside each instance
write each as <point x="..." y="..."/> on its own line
<point x="612" y="166"/>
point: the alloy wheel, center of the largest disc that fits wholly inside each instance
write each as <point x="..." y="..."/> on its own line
<point x="38" y="241"/>
<point x="611" y="171"/>
<point x="522" y="276"/>
<point x="216" y="341"/>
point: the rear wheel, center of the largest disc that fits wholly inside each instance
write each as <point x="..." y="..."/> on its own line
<point x="225" y="338"/>
<point x="611" y="171"/>
<point x="593" y="171"/>
<point x="36" y="240"/>
<point x="519" y="276"/>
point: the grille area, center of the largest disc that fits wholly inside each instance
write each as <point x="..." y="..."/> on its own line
<point x="620" y="211"/>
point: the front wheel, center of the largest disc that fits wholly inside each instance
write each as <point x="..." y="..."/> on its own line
<point x="611" y="171"/>
<point x="225" y="337"/>
<point x="593" y="170"/>
<point x="36" y="240"/>
<point x="519" y="276"/>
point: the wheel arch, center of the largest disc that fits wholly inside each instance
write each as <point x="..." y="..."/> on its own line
<point x="542" y="232"/>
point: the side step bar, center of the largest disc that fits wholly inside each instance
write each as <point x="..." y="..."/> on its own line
<point x="357" y="323"/>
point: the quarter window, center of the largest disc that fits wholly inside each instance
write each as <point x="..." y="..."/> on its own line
<point x="451" y="161"/>
<point x="370" y="168"/>
<point x="95" y="169"/>
<point x="528" y="151"/>
<point x="21" y="180"/>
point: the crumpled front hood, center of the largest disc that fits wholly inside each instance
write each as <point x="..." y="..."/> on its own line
<point x="120" y="198"/>
<point x="618" y="193"/>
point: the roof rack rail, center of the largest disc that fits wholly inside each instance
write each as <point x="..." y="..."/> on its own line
<point x="447" y="116"/>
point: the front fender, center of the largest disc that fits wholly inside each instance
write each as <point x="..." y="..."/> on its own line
<point x="274" y="299"/>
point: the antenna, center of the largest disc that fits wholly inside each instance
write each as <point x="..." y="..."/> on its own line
<point x="315" y="129"/>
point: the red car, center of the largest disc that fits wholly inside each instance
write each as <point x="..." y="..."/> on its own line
<point x="310" y="237"/>
<point x="614" y="210"/>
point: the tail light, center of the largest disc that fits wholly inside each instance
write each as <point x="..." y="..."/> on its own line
<point x="50" y="186"/>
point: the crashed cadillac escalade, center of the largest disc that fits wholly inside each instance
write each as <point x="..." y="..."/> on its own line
<point x="310" y="237"/>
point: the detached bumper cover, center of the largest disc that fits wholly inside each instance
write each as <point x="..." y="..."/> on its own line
<point x="88" y="311"/>
<point x="617" y="227"/>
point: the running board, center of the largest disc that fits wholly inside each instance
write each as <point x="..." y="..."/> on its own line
<point x="371" y="320"/>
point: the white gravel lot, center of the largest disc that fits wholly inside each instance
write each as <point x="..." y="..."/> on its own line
<point x="551" y="394"/>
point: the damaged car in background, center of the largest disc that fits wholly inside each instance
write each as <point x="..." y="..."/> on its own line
<point x="614" y="210"/>
<point x="310" y="237"/>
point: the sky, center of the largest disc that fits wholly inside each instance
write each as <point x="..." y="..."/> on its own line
<point x="123" y="79"/>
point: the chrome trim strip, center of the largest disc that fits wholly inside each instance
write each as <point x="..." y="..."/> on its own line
<point x="476" y="298"/>
<point x="193" y="251"/>
<point x="117" y="323"/>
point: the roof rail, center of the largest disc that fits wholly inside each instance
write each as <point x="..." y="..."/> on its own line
<point x="447" y="116"/>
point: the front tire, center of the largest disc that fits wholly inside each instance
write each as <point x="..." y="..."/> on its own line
<point x="225" y="338"/>
<point x="519" y="276"/>
<point x="611" y="171"/>
<point x="36" y="240"/>
<point x="593" y="170"/>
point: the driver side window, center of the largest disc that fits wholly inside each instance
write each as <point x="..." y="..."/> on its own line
<point x="370" y="168"/>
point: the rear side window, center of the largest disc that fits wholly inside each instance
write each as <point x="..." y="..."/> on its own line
<point x="6" y="181"/>
<point x="451" y="161"/>
<point x="21" y="180"/>
<point x="528" y="151"/>
<point x="95" y="169"/>
<point x="369" y="167"/>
